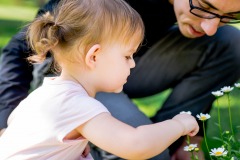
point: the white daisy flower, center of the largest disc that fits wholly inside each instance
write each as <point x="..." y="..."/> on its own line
<point x="190" y="147"/>
<point x="217" y="93"/>
<point x="203" y="117"/>
<point x="237" y="85"/>
<point x="218" y="152"/>
<point x="188" y="112"/>
<point x="227" y="89"/>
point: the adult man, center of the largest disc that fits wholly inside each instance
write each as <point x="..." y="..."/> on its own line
<point x="192" y="58"/>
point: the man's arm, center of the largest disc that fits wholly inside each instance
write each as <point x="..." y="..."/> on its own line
<point x="15" y="75"/>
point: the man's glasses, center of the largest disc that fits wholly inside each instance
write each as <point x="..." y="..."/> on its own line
<point x="202" y="13"/>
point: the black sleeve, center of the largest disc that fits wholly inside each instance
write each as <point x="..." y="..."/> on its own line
<point x="15" y="71"/>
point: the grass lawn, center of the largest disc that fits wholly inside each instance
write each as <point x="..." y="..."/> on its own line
<point x="14" y="15"/>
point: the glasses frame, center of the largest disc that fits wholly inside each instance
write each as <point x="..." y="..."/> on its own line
<point x="214" y="15"/>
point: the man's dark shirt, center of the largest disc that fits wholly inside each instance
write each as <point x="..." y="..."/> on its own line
<point x="16" y="72"/>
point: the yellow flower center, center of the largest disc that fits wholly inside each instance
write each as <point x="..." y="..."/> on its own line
<point x="218" y="153"/>
<point x="203" y="118"/>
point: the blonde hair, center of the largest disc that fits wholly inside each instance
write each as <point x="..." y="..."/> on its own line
<point x="83" y="22"/>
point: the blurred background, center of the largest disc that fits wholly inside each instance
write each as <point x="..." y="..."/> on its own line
<point x="14" y="14"/>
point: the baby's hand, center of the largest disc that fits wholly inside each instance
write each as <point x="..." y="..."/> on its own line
<point x="188" y="123"/>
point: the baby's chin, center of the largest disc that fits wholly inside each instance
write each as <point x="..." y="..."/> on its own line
<point x="118" y="90"/>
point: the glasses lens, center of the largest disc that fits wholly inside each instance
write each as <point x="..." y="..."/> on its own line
<point x="202" y="14"/>
<point x="230" y="20"/>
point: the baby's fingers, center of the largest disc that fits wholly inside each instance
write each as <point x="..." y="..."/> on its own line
<point x="193" y="132"/>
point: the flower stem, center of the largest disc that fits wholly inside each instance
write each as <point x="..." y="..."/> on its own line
<point x="219" y="121"/>
<point x="205" y="138"/>
<point x="192" y="156"/>
<point x="230" y="115"/>
<point x="188" y="139"/>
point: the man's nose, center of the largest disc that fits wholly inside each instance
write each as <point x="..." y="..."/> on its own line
<point x="210" y="26"/>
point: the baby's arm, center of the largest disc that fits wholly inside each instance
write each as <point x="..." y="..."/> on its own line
<point x="142" y="142"/>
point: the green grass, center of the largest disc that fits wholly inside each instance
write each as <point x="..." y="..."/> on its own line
<point x="10" y="28"/>
<point x="13" y="17"/>
<point x="150" y="105"/>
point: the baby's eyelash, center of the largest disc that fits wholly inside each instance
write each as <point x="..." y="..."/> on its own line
<point x="128" y="57"/>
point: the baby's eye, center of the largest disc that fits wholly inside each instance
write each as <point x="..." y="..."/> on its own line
<point x="128" y="57"/>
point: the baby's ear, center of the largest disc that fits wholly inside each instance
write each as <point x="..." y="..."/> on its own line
<point x="90" y="58"/>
